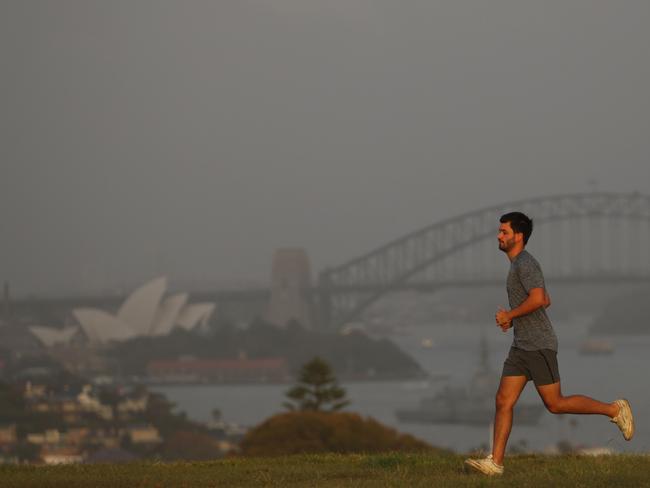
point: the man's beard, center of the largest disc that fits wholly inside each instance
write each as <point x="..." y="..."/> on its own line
<point x="506" y="245"/>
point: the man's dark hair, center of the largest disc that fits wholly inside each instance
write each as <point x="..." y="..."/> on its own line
<point x="520" y="223"/>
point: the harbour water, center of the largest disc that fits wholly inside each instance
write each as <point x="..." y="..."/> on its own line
<point x="454" y="352"/>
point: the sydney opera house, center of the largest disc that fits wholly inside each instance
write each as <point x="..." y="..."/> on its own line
<point x="146" y="312"/>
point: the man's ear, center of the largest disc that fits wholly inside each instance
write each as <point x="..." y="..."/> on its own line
<point x="519" y="236"/>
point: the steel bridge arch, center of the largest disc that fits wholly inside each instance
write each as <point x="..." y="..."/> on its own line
<point x="354" y="285"/>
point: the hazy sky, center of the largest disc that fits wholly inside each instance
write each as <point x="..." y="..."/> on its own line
<point x="192" y="138"/>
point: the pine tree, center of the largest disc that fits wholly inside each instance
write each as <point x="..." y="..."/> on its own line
<point x="317" y="389"/>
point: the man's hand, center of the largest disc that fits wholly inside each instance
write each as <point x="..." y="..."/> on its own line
<point x="503" y="319"/>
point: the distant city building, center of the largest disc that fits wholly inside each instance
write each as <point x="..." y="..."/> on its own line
<point x="61" y="455"/>
<point x="143" y="313"/>
<point x="144" y="434"/>
<point x="7" y="434"/>
<point x="76" y="426"/>
<point x="191" y="370"/>
<point x="290" y="288"/>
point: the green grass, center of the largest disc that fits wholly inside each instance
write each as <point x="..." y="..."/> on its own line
<point x="334" y="470"/>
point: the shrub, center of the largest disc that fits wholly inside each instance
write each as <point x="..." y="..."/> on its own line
<point x="313" y="432"/>
<point x="190" y="446"/>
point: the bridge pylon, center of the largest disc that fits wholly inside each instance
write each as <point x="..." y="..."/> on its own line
<point x="290" y="288"/>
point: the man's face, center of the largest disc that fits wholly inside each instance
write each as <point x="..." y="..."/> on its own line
<point x="507" y="237"/>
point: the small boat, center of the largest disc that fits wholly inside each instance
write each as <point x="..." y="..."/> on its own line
<point x="596" y="346"/>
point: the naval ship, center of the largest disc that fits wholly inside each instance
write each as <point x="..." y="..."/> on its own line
<point x="472" y="404"/>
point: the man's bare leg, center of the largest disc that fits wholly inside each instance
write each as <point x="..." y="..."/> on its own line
<point x="556" y="403"/>
<point x="509" y="390"/>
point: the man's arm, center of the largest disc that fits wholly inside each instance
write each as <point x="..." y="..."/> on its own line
<point x="537" y="298"/>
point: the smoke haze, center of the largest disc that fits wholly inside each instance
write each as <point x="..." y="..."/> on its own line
<point x="193" y="138"/>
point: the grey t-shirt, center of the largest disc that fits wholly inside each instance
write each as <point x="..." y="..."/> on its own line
<point x="533" y="331"/>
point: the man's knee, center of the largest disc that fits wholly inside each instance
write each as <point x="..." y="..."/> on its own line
<point x="554" y="405"/>
<point x="504" y="402"/>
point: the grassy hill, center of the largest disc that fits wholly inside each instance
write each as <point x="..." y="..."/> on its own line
<point x="328" y="470"/>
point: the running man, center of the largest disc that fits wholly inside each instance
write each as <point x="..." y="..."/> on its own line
<point x="533" y="355"/>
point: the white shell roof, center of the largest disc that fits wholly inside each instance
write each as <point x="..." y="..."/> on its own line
<point x="143" y="313"/>
<point x="100" y="326"/>
<point x="49" y="336"/>
<point x="193" y="314"/>
<point x="167" y="314"/>
<point x="139" y="309"/>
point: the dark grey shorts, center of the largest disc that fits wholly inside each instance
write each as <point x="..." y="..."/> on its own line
<point x="539" y="366"/>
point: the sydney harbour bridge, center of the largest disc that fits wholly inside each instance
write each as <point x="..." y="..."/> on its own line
<point x="579" y="238"/>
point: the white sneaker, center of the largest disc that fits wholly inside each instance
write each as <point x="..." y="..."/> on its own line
<point x="624" y="420"/>
<point x="486" y="466"/>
